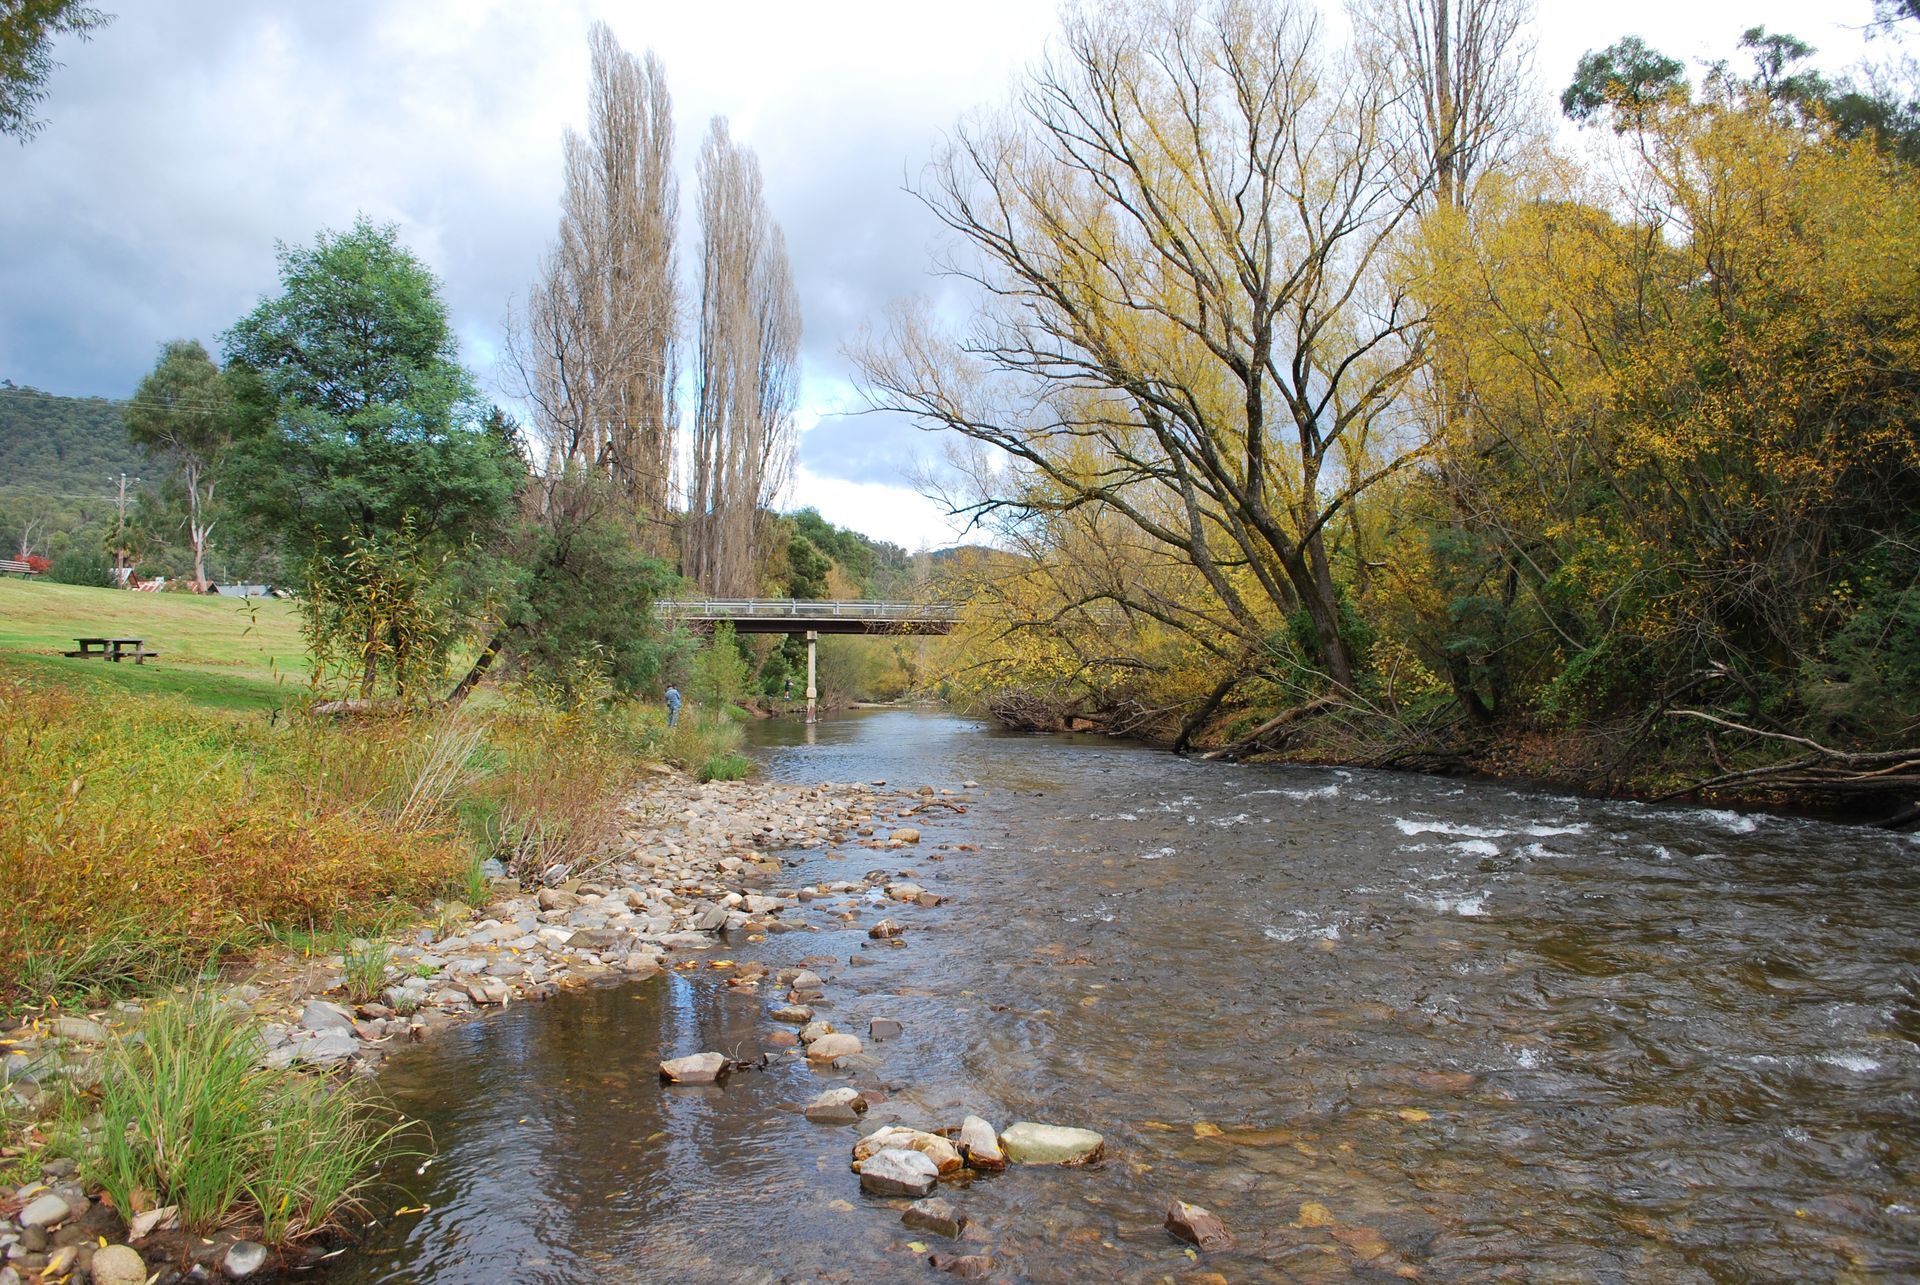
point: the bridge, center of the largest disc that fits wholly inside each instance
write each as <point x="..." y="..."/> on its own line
<point x="811" y="618"/>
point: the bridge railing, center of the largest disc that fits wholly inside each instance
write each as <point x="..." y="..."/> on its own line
<point x="805" y="609"/>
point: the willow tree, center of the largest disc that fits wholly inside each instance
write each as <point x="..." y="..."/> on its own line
<point x="747" y="365"/>
<point x="1184" y="223"/>
<point x="595" y="352"/>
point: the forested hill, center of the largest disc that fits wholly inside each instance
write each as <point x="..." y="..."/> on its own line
<point x="53" y="445"/>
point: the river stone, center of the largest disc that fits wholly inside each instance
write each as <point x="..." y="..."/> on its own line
<point x="487" y="992"/>
<point x="882" y="1029"/>
<point x="701" y="1068"/>
<point x="79" y="1030"/>
<point x="45" y="1211"/>
<point x="713" y="920"/>
<point x="319" y="1015"/>
<point x="968" y="1267"/>
<point x="981" y="1145"/>
<point x="905" y="834"/>
<point x="817" y="1029"/>
<point x="937" y="1216"/>
<point x="327" y="1048"/>
<point x="799" y="1013"/>
<point x="885" y="929"/>
<point x="806" y="980"/>
<point x="837" y="1106"/>
<point x="118" y="1265"/>
<point x="1028" y="1143"/>
<point x="244" y="1258"/>
<point x="829" y="1047"/>
<point x="556" y="899"/>
<point x="897" y="1172"/>
<point x="945" y="1156"/>
<point x="1198" y="1226"/>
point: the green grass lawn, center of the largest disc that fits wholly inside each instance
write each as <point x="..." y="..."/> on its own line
<point x="229" y="653"/>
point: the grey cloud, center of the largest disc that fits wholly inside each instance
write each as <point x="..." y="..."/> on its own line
<point x="874" y="447"/>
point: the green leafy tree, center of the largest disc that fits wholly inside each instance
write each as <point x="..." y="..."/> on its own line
<point x="368" y="426"/>
<point x="720" y="671"/>
<point x="183" y="414"/>
<point x="1628" y="78"/>
<point x="27" y="32"/>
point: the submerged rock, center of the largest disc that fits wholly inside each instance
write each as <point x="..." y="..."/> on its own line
<point x="1198" y="1226"/>
<point x="837" y="1106"/>
<point x="1028" y="1143"/>
<point x="937" y="1216"/>
<point x="898" y="1172"/>
<point x="881" y="1029"/>
<point x="968" y="1267"/>
<point x="829" y="1047"/>
<point x="700" y="1068"/>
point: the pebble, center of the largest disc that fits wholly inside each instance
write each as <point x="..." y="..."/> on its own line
<point x="1198" y="1226"/>
<point x="944" y="1155"/>
<point x="885" y="929"/>
<point x="881" y="1029"/>
<point x="45" y="1211"/>
<point x="118" y="1265"/>
<point x="244" y="1258"/>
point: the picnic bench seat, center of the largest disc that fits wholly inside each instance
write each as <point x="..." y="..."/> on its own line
<point x="15" y="567"/>
<point x="114" y="649"/>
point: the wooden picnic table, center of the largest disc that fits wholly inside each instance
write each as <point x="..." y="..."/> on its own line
<point x="114" y="649"/>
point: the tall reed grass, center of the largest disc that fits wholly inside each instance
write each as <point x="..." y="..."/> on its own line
<point x="189" y="1117"/>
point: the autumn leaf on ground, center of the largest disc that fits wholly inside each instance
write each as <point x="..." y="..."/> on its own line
<point x="1315" y="1214"/>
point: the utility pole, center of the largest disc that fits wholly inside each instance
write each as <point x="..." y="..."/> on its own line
<point x="120" y="576"/>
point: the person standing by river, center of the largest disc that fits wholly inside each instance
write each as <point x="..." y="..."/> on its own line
<point x="673" y="706"/>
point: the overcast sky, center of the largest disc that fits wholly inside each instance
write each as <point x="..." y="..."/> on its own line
<point x="186" y="138"/>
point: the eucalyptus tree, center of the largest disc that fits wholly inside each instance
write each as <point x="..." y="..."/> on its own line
<point x="184" y="413"/>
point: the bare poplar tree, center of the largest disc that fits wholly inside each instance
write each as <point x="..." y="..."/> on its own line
<point x="596" y="352"/>
<point x="1467" y="63"/>
<point x="747" y="361"/>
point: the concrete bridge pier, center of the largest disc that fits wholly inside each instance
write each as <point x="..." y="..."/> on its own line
<point x="813" y="692"/>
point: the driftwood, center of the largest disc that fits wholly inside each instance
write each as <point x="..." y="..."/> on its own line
<point x="356" y="708"/>
<point x="1285" y="718"/>
<point x="1822" y="768"/>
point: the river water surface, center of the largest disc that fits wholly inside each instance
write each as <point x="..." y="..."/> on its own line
<point x="1383" y="1025"/>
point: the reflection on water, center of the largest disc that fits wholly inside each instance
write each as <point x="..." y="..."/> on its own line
<point x="1377" y="1023"/>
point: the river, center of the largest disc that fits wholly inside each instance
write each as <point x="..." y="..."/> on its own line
<point x="1382" y="1025"/>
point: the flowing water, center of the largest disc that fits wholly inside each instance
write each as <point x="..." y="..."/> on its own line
<point x="1380" y="1024"/>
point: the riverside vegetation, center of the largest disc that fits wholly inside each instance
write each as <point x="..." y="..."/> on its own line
<point x="1323" y="407"/>
<point x="169" y="826"/>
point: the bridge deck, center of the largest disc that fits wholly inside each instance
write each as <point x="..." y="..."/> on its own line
<point x="795" y="616"/>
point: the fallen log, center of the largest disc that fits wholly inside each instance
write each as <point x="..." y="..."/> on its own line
<point x="1285" y="718"/>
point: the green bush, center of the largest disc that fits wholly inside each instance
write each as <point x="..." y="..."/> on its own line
<point x="89" y="567"/>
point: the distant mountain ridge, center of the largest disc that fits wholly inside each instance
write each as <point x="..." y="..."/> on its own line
<point x="68" y="446"/>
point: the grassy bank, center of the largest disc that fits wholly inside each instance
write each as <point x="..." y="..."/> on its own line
<point x="164" y="821"/>
<point x="224" y="653"/>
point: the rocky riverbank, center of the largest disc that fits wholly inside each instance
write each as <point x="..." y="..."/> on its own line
<point x="698" y="861"/>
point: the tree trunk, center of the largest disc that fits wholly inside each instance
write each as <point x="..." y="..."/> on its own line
<point x="484" y="662"/>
